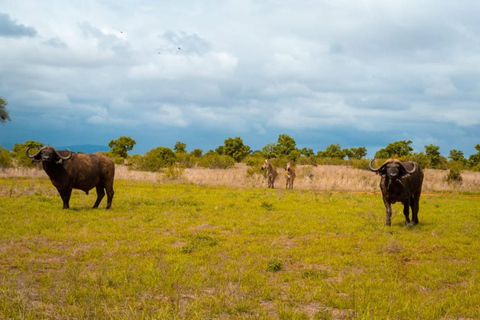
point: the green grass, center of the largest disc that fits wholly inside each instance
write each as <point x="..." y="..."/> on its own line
<point x="177" y="251"/>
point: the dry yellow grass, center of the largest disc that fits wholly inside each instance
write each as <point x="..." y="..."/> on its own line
<point x="320" y="178"/>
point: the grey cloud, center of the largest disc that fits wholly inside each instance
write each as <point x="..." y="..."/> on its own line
<point x="10" y="28"/>
<point x="56" y="43"/>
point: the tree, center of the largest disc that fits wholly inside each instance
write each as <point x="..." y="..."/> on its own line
<point x="180" y="147"/>
<point x="307" y="152"/>
<point x="268" y="150"/>
<point x="474" y="159"/>
<point x="332" y="151"/>
<point x="457" y="156"/>
<point x="355" y="153"/>
<point x="157" y="158"/>
<point x="234" y="148"/>
<point x="19" y="152"/>
<point x="120" y="146"/>
<point x="395" y="149"/>
<point x="4" y="116"/>
<point x="433" y="154"/>
<point x="196" y="153"/>
<point x="285" y="145"/>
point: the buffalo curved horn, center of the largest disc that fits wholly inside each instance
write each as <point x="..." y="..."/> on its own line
<point x="62" y="157"/>
<point x="32" y="156"/>
<point x="410" y="171"/>
<point x="372" y="168"/>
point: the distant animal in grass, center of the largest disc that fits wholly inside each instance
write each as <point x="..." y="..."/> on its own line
<point x="68" y="170"/>
<point x="271" y="173"/>
<point x="289" y="175"/>
<point x="401" y="182"/>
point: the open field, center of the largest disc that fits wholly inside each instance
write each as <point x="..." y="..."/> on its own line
<point x="320" y="178"/>
<point x="197" y="250"/>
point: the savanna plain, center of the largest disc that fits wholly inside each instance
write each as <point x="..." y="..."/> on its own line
<point x="216" y="244"/>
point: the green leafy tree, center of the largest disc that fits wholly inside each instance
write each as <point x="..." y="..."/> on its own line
<point x="307" y="152"/>
<point x="474" y="159"/>
<point x="234" y="148"/>
<point x="457" y="156"/>
<point x="5" y="158"/>
<point x="433" y="154"/>
<point x="355" y="153"/>
<point x="197" y="153"/>
<point x="19" y="152"/>
<point x="395" y="149"/>
<point x="332" y="151"/>
<point x="4" y="116"/>
<point x="180" y="147"/>
<point x="268" y="150"/>
<point x="157" y="158"/>
<point x="121" y="146"/>
<point x="285" y="145"/>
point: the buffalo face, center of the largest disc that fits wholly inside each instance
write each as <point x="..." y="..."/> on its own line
<point x="49" y="155"/>
<point x="393" y="169"/>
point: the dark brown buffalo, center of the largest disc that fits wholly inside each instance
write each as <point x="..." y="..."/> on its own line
<point x="68" y="170"/>
<point x="401" y="182"/>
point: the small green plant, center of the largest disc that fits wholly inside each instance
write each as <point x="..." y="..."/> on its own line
<point x="275" y="265"/>
<point x="199" y="242"/>
<point x="267" y="205"/>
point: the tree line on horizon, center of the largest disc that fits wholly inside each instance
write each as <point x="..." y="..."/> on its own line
<point x="234" y="151"/>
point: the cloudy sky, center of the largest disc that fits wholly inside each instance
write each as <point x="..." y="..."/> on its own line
<point x="358" y="73"/>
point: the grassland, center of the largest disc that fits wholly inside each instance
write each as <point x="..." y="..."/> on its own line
<point x="204" y="251"/>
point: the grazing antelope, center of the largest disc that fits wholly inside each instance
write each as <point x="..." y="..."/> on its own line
<point x="289" y="175"/>
<point x="271" y="173"/>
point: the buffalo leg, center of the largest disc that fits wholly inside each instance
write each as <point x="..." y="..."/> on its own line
<point x="100" y="195"/>
<point x="65" y="195"/>
<point x="388" y="209"/>
<point x="109" y="196"/>
<point x="415" y="203"/>
<point x="406" y="207"/>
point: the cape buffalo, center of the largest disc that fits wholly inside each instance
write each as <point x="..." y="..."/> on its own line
<point x="68" y="170"/>
<point x="401" y="182"/>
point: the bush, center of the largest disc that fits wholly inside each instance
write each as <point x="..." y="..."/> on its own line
<point x="254" y="170"/>
<point x="157" y="158"/>
<point x="454" y="175"/>
<point x="360" y="164"/>
<point x="186" y="160"/>
<point x="5" y="158"/>
<point x="310" y="160"/>
<point x="173" y="173"/>
<point x="254" y="160"/>
<point x="215" y="161"/>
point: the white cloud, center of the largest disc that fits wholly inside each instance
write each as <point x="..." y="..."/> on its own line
<point x="246" y="67"/>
